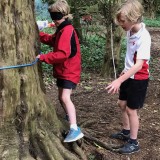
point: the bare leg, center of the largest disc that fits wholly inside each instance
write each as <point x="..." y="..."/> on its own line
<point x="60" y="91"/>
<point x="125" y="118"/>
<point x="68" y="105"/>
<point x="134" y="122"/>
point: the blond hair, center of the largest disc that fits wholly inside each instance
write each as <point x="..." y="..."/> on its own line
<point x="61" y="6"/>
<point x="132" y="9"/>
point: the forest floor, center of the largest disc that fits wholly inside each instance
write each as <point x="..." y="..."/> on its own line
<point x="95" y="106"/>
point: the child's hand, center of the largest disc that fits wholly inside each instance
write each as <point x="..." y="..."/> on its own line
<point x="38" y="57"/>
<point x="114" y="86"/>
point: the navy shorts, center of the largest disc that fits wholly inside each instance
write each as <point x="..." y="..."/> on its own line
<point x="134" y="92"/>
<point x="62" y="83"/>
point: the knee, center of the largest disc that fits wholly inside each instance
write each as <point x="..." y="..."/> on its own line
<point x="131" y="112"/>
<point x="122" y="105"/>
<point x="64" y="99"/>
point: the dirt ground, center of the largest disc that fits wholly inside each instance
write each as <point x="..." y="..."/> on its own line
<point x="99" y="110"/>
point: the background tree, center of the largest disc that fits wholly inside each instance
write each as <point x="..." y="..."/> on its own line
<point x="76" y="17"/>
<point x="79" y="8"/>
<point x="29" y="127"/>
<point x="151" y="7"/>
<point x="107" y="9"/>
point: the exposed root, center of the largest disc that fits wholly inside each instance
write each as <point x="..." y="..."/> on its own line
<point x="94" y="132"/>
<point x="88" y="123"/>
<point x="79" y="151"/>
<point x="50" y="145"/>
<point x="48" y="148"/>
<point x="111" y="147"/>
<point x="34" y="147"/>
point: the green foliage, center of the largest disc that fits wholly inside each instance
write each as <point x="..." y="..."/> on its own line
<point x="92" y="50"/>
<point x="47" y="69"/>
<point x="152" y="22"/>
<point x="122" y="55"/>
<point x="85" y="76"/>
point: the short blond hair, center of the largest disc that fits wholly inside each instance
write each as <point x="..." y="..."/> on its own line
<point x="61" y="6"/>
<point x="132" y="9"/>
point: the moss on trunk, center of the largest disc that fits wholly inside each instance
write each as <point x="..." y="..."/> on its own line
<point x="29" y="126"/>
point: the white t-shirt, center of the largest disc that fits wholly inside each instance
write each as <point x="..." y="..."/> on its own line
<point x="138" y="47"/>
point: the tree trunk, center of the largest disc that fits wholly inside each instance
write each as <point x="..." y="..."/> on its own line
<point x="29" y="127"/>
<point x="113" y="46"/>
<point x="150" y="7"/>
<point x="113" y="38"/>
<point x="76" y="18"/>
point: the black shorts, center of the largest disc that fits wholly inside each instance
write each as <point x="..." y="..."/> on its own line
<point x="134" y="92"/>
<point x="62" y="83"/>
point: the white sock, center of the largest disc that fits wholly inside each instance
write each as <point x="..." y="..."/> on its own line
<point x="74" y="126"/>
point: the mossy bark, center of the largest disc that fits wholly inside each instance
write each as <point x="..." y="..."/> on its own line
<point x="112" y="46"/>
<point x="29" y="126"/>
<point x="113" y="37"/>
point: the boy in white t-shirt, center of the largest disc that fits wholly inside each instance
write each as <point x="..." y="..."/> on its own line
<point x="133" y="80"/>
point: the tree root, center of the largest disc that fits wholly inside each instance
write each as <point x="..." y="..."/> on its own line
<point x="48" y="148"/>
<point x="94" y="132"/>
<point x="79" y="151"/>
<point x="88" y="123"/>
<point x="110" y="147"/>
<point x="45" y="142"/>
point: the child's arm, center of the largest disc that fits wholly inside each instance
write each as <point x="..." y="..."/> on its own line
<point x="63" y="49"/>
<point x="114" y="86"/>
<point x="47" y="38"/>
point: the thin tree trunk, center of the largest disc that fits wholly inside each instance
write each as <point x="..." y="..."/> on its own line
<point x="76" y="18"/>
<point x="113" y="38"/>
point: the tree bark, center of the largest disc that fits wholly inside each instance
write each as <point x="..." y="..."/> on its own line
<point x="108" y="9"/>
<point x="112" y="46"/>
<point x="29" y="126"/>
<point x="150" y="8"/>
<point x="76" y="18"/>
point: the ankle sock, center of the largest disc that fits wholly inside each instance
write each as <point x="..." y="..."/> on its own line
<point x="125" y="131"/>
<point x="133" y="141"/>
<point x="74" y="126"/>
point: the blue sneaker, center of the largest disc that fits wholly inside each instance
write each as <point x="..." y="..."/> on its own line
<point x="74" y="135"/>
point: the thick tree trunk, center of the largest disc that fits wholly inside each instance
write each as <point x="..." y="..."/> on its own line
<point x="29" y="127"/>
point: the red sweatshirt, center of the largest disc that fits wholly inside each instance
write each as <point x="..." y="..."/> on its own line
<point x="65" y="57"/>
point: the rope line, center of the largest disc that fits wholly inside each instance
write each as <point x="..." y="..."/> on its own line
<point x="19" y="66"/>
